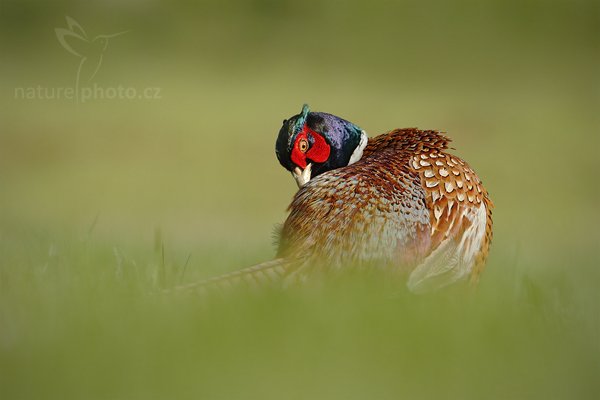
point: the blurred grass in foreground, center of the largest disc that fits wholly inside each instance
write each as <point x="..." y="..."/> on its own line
<point x="91" y="193"/>
<point x="90" y="323"/>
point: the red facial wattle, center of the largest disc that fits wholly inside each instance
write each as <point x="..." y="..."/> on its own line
<point x="318" y="152"/>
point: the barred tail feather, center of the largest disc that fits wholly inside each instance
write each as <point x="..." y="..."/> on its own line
<point x="270" y="272"/>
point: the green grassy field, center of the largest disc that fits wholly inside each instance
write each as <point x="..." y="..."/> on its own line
<point x="105" y="202"/>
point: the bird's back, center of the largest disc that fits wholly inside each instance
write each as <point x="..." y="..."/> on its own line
<point x="407" y="206"/>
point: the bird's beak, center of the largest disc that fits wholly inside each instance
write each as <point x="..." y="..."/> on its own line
<point x="302" y="176"/>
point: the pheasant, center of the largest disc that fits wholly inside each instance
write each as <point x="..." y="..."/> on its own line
<point x="399" y="202"/>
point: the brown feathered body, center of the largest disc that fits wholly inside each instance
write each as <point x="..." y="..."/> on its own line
<point x="407" y="206"/>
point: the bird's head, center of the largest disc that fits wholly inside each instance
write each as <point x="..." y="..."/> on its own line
<point x="311" y="143"/>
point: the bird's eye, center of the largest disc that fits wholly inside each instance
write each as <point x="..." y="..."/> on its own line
<point x="303" y="145"/>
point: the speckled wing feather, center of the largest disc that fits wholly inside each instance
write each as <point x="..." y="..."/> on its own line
<point x="406" y="142"/>
<point x="461" y="220"/>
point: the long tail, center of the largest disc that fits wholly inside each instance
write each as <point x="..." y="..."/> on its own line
<point x="270" y="272"/>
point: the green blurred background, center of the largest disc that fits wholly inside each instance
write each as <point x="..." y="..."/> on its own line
<point x="105" y="201"/>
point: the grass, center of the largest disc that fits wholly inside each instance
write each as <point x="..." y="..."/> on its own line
<point x="89" y="321"/>
<point x="81" y="313"/>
